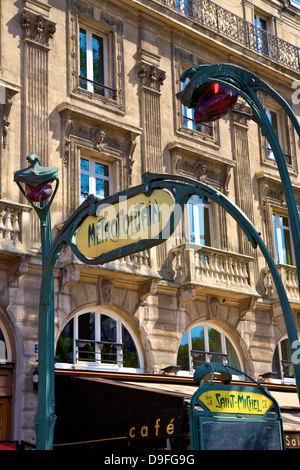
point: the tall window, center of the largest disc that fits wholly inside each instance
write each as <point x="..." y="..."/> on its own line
<point x="94" y="178"/>
<point x="93" y="63"/>
<point x="274" y="120"/>
<point x="283" y="241"/>
<point x="261" y="36"/>
<point x="204" y="343"/>
<point x="96" y="340"/>
<point x="199" y="221"/>
<point x="282" y="361"/>
<point x="188" y="119"/>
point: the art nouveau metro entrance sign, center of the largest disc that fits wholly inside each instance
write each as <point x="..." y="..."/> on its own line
<point x="123" y="224"/>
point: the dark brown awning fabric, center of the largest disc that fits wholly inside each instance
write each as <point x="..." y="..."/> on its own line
<point x="96" y="410"/>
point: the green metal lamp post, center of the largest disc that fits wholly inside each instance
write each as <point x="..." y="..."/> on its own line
<point x="38" y="190"/>
<point x="246" y="84"/>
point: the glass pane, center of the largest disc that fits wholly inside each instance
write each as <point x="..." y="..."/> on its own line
<point x="183" y="353"/>
<point x="86" y="331"/>
<point x="83" y="63"/>
<point x="276" y="363"/>
<point x="84" y="164"/>
<point x="102" y="170"/>
<point x="239" y="435"/>
<point x="109" y="353"/>
<point x="130" y="356"/>
<point x="102" y="188"/>
<point x="191" y="222"/>
<point x="287" y="365"/>
<point x="64" y="349"/>
<point x="84" y="185"/>
<point x="233" y="360"/>
<point x="215" y="345"/>
<point x="3" y="350"/>
<point x="198" y="344"/>
<point x="108" y="329"/>
<point x="197" y="334"/>
<point x="98" y="66"/>
<point x="287" y="249"/>
<point x="204" y="229"/>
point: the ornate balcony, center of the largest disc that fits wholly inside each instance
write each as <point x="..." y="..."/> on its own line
<point x="214" y="269"/>
<point x="289" y="279"/>
<point x="237" y="29"/>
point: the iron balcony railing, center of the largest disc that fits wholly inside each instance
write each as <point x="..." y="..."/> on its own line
<point x="237" y="29"/>
<point x="200" y="357"/>
<point x="97" y="88"/>
<point x="105" y="352"/>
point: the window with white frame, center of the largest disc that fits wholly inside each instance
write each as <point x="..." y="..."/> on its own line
<point x="94" y="75"/>
<point x="199" y="230"/>
<point x="275" y="118"/>
<point x="95" y="178"/>
<point x="205" y="343"/>
<point x="283" y="240"/>
<point x="98" y="340"/>
<point x="261" y="34"/>
<point x="282" y="361"/>
<point x="188" y="119"/>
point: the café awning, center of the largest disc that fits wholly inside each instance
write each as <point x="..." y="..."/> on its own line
<point x="95" y="410"/>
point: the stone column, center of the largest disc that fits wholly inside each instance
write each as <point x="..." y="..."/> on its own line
<point x="240" y="115"/>
<point x="152" y="77"/>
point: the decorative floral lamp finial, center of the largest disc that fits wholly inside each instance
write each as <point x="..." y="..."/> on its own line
<point x="37" y="179"/>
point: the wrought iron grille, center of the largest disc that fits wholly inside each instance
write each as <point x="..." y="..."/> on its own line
<point x="98" y="88"/>
<point x="237" y="29"/>
<point x="104" y="352"/>
<point x="200" y="357"/>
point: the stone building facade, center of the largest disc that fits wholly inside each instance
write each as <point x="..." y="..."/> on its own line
<point x="89" y="86"/>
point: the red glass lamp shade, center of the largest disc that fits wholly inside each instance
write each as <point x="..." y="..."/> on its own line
<point x="39" y="193"/>
<point x="215" y="101"/>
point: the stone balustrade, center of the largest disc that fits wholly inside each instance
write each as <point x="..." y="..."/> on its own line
<point x="289" y="279"/>
<point x="14" y="224"/>
<point x="213" y="267"/>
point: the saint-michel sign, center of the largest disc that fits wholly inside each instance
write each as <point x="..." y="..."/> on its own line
<point x="136" y="220"/>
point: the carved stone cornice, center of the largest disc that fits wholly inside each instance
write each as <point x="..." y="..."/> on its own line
<point x="241" y="113"/>
<point x="36" y="27"/>
<point x="151" y="76"/>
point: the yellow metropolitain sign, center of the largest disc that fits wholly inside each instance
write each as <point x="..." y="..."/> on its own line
<point x="125" y="223"/>
<point x="231" y="401"/>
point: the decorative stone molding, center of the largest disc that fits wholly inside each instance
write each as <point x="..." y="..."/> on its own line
<point x="151" y="76"/>
<point x="70" y="276"/>
<point x="147" y="289"/>
<point x="36" y="27"/>
<point x="106" y="292"/>
<point x="185" y="295"/>
<point x="102" y="138"/>
<point x="188" y="161"/>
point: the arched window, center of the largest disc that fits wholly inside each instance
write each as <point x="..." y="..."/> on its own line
<point x="205" y="343"/>
<point x="98" y="340"/>
<point x="282" y="361"/>
<point x="5" y="349"/>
